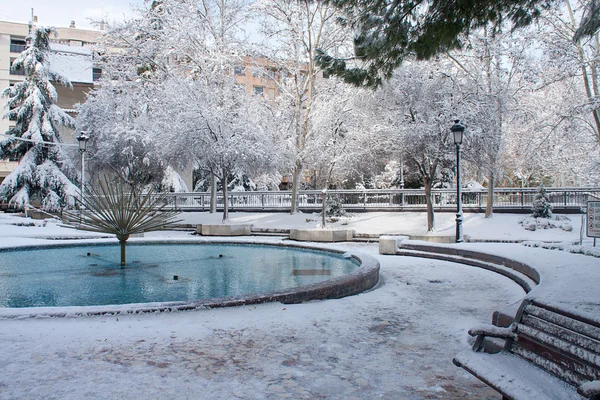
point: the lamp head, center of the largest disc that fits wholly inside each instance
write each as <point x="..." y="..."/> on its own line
<point x="82" y="139"/>
<point x="457" y="130"/>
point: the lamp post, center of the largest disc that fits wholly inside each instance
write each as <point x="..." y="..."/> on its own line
<point x="457" y="131"/>
<point x="82" y="139"/>
<point x="324" y="209"/>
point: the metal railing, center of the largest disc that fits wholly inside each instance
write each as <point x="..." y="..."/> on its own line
<point x="515" y="199"/>
<point x="505" y="199"/>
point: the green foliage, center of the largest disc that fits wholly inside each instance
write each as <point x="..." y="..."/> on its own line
<point x="541" y="207"/>
<point x="122" y="210"/>
<point x="388" y="32"/>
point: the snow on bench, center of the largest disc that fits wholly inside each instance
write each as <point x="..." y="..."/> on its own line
<point x="548" y="354"/>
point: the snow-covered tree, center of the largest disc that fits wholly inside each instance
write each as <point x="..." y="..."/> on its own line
<point x="144" y="60"/>
<point x="416" y="108"/>
<point x="493" y="72"/>
<point x="222" y="129"/>
<point x="340" y="142"/>
<point x="563" y="125"/>
<point x="541" y="207"/>
<point x="44" y="169"/>
<point x="124" y="139"/>
<point x="293" y="31"/>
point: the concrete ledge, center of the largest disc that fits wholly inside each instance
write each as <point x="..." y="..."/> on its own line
<point x="224" y="230"/>
<point x="388" y="245"/>
<point x="322" y="235"/>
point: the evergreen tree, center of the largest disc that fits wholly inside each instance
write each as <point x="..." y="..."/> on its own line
<point x="44" y="171"/>
<point x="541" y="207"/>
<point x="389" y="31"/>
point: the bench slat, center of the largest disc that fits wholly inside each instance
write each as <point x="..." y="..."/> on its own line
<point x="586" y="328"/>
<point x="573" y="337"/>
<point x="547" y="360"/>
<point x="562" y="349"/>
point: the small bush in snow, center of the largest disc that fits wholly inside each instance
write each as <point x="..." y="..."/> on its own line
<point x="334" y="207"/>
<point x="541" y="207"/>
<point x="575" y="249"/>
<point x="534" y="224"/>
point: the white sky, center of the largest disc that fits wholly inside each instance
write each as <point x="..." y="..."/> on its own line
<point x="60" y="13"/>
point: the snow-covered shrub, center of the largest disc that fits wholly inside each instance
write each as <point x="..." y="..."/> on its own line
<point x="334" y="207"/>
<point x="172" y="182"/>
<point x="541" y="207"/>
<point x="557" y="221"/>
<point x="575" y="249"/>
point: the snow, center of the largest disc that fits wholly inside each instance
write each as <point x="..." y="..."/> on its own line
<point x="500" y="227"/>
<point x="71" y="62"/>
<point x="396" y="341"/>
<point x="590" y="388"/>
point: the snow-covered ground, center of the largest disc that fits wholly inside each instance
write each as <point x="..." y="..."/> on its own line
<point x="476" y="226"/>
<point x="394" y="342"/>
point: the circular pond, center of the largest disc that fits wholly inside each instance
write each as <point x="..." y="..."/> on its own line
<point x="87" y="275"/>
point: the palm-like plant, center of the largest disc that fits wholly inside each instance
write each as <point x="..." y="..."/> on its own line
<point x="121" y="209"/>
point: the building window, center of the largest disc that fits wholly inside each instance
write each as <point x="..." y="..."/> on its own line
<point x="17" y="45"/>
<point x="239" y="70"/>
<point x="96" y="74"/>
<point x="258" y="90"/>
<point x="271" y="93"/>
<point x="271" y="73"/>
<point x="325" y="75"/>
<point x="15" y="71"/>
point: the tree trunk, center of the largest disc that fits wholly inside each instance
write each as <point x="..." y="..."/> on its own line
<point x="489" y="206"/>
<point x="225" y="203"/>
<point x="429" y="199"/>
<point x="213" y="194"/>
<point x="295" y="186"/>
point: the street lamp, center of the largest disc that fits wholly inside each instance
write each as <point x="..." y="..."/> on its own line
<point x="458" y="130"/>
<point x="82" y="139"/>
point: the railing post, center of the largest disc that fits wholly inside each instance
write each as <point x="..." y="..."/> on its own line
<point x="565" y="199"/>
<point x="522" y="198"/>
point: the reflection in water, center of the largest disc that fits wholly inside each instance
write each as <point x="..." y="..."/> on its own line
<point x="92" y="275"/>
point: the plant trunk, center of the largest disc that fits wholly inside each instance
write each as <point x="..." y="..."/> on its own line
<point x="123" y="244"/>
<point x="489" y="206"/>
<point x="429" y="200"/>
<point x="213" y="194"/>
<point x="295" y="186"/>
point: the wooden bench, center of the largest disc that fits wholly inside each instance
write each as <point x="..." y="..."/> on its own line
<point x="548" y="353"/>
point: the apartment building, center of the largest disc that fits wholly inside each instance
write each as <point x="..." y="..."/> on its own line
<point x="259" y="76"/>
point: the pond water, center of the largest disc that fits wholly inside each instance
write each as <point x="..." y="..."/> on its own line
<point x="91" y="274"/>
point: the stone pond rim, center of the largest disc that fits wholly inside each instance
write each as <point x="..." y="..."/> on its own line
<point x="363" y="278"/>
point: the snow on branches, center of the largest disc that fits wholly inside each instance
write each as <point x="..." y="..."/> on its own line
<point x="44" y="170"/>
